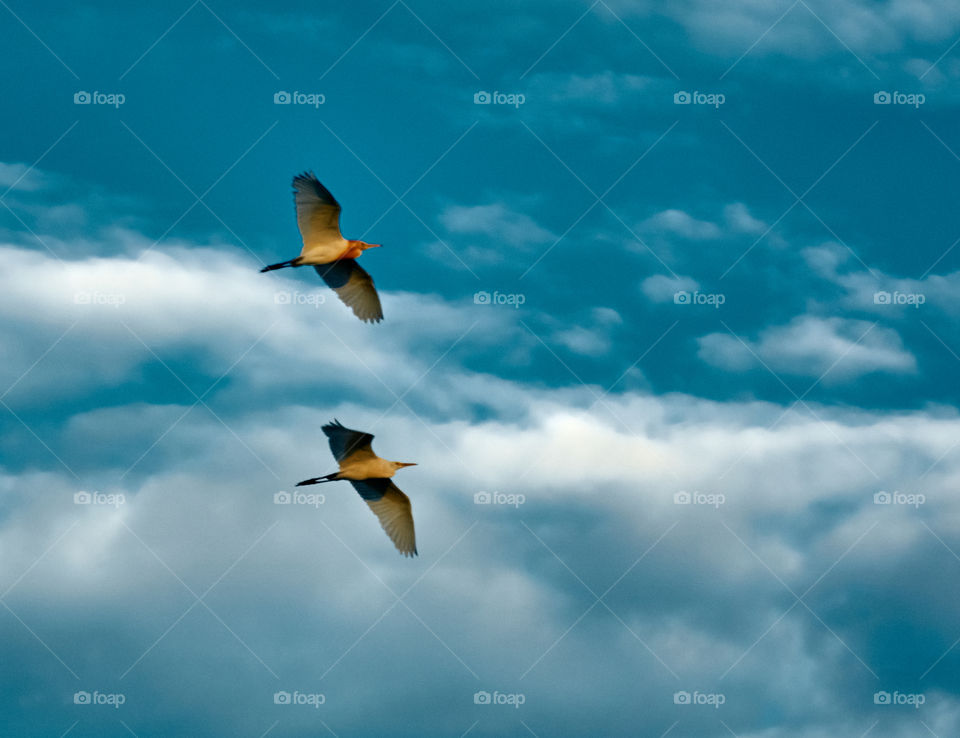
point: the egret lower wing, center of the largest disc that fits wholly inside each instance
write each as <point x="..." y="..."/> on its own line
<point x="392" y="508"/>
<point x="354" y="287"/>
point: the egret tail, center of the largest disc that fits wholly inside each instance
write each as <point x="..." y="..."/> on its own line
<point x="319" y="480"/>
<point x="281" y="265"/>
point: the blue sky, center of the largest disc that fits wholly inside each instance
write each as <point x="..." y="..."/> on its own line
<point x="716" y="373"/>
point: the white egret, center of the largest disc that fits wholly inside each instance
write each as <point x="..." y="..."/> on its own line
<point x="325" y="248"/>
<point x="370" y="476"/>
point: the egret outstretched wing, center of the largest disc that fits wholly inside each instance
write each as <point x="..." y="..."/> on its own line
<point x="392" y="508"/>
<point x="354" y="287"/>
<point x="345" y="442"/>
<point x="318" y="212"/>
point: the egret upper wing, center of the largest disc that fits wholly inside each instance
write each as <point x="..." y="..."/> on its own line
<point x="318" y="212"/>
<point x="392" y="508"/>
<point x="354" y="287"/>
<point x="345" y="442"/>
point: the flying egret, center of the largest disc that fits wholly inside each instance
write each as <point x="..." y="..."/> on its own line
<point x="332" y="255"/>
<point x="370" y="476"/>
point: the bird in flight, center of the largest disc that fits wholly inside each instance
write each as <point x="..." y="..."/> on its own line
<point x="332" y="255"/>
<point x="370" y="476"/>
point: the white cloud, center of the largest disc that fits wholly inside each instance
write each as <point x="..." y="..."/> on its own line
<point x="604" y="88"/>
<point x="838" y="349"/>
<point x="497" y="222"/>
<point x="599" y="480"/>
<point x="661" y="288"/>
<point x="22" y="177"/>
<point x="679" y="223"/>
<point x="738" y="219"/>
<point x="808" y="31"/>
<point x="881" y="293"/>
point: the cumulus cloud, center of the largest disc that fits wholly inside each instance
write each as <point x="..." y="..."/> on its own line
<point x="881" y="293"/>
<point x="599" y="475"/>
<point x="836" y="349"/>
<point x="496" y="221"/>
<point x="661" y="288"/>
<point x="677" y="222"/>
<point x="862" y="26"/>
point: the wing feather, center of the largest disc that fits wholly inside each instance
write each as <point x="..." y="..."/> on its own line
<point x="354" y="287"/>
<point x="346" y="442"/>
<point x="318" y="212"/>
<point x="393" y="510"/>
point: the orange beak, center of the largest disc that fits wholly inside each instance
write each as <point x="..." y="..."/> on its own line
<point x="371" y="246"/>
<point x="403" y="463"/>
